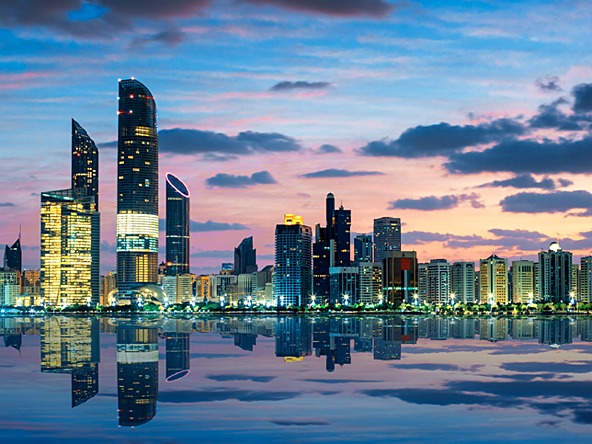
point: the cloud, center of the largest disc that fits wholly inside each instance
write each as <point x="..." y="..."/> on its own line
<point x="198" y="396"/>
<point x="344" y="8"/>
<point x="170" y="37"/>
<point x="210" y="225"/>
<point x="432" y="203"/>
<point x="333" y="172"/>
<point x="526" y="181"/>
<point x="300" y="84"/>
<point x="550" y="116"/>
<point x="552" y="367"/>
<point x="7" y="204"/>
<point x="328" y="149"/>
<point x="192" y="141"/>
<point x="583" y="97"/>
<point x="555" y="202"/>
<point x="526" y="156"/>
<point x="97" y="19"/>
<point x="548" y="84"/>
<point x="222" y="180"/>
<point x="303" y="423"/>
<point x="443" y="139"/>
<point x="240" y="377"/>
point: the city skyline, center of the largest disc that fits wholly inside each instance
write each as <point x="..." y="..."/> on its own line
<point x="263" y="114"/>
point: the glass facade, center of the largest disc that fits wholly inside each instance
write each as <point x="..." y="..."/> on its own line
<point x="137" y="187"/>
<point x="85" y="162"/>
<point x="387" y="236"/>
<point x="70" y="247"/>
<point x="177" y="226"/>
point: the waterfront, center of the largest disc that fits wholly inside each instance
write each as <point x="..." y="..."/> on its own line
<point x="324" y="378"/>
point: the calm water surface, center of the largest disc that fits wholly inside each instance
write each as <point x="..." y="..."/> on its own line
<point x="295" y="379"/>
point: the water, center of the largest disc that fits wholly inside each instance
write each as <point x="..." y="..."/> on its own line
<point x="295" y="379"/>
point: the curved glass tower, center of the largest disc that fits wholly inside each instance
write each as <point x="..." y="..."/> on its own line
<point x="137" y="187"/>
<point x="85" y="162"/>
<point x="177" y="226"/>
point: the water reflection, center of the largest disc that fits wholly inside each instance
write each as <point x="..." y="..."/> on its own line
<point x="71" y="345"/>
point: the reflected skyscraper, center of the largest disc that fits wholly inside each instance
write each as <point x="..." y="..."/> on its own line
<point x="137" y="187"/>
<point x="137" y="374"/>
<point x="177" y="226"/>
<point x="293" y="337"/>
<point x="71" y="345"/>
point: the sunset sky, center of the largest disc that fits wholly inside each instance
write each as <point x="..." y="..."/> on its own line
<point x="469" y="120"/>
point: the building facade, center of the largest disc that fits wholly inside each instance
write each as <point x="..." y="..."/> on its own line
<point x="555" y="274"/>
<point x="363" y="248"/>
<point x="137" y="187"/>
<point x="245" y="257"/>
<point x="399" y="276"/>
<point x="438" y="282"/>
<point x="493" y="280"/>
<point x="523" y="281"/>
<point x="177" y="226"/>
<point x="387" y="236"/>
<point x="292" y="279"/>
<point x="463" y="281"/>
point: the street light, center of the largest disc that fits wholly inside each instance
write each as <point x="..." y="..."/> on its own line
<point x="416" y="299"/>
<point x="222" y="301"/>
<point x="346" y="298"/>
<point x="572" y="298"/>
<point x="452" y="298"/>
<point x="281" y="301"/>
<point x="313" y="298"/>
<point x="491" y="300"/>
<point x="530" y="298"/>
<point x="250" y="301"/>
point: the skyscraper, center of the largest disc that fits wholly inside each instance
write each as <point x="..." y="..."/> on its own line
<point x="363" y="248"/>
<point x="70" y="248"/>
<point x="493" y="280"/>
<point x="13" y="256"/>
<point x="523" y="281"/>
<point x="438" y="281"/>
<point x="245" y="257"/>
<point x="399" y="276"/>
<point x="585" y="290"/>
<point x="331" y="247"/>
<point x="137" y="187"/>
<point x="292" y="280"/>
<point x="387" y="236"/>
<point x="555" y="274"/>
<point x="85" y="162"/>
<point x="177" y="226"/>
<point x="463" y="281"/>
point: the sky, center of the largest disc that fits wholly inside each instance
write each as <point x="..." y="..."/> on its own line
<point x="469" y="120"/>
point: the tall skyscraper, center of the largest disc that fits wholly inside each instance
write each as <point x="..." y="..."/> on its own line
<point x="292" y="280"/>
<point x="137" y="187"/>
<point x="463" y="281"/>
<point x="137" y="374"/>
<point x="70" y="248"/>
<point x="177" y="226"/>
<point x="342" y="236"/>
<point x="555" y="274"/>
<point x="363" y="248"/>
<point x="85" y="162"/>
<point x="331" y="247"/>
<point x="245" y="257"/>
<point x="493" y="278"/>
<point x="387" y="236"/>
<point x="13" y="256"/>
<point x="523" y="281"/>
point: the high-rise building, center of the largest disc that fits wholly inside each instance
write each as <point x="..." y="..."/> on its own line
<point x="245" y="257"/>
<point x="137" y="187"/>
<point x="387" y="236"/>
<point x="342" y="236"/>
<point x="70" y="248"/>
<point x="523" y="281"/>
<point x="344" y="285"/>
<point x="555" y="274"/>
<point x="331" y="247"/>
<point x="292" y="280"/>
<point x="13" y="256"/>
<point x="370" y="284"/>
<point x="85" y="162"/>
<point x="137" y="374"/>
<point x="463" y="281"/>
<point x="585" y="290"/>
<point x="10" y="286"/>
<point x="422" y="282"/>
<point x="177" y="226"/>
<point x="363" y="248"/>
<point x="399" y="276"/>
<point x="493" y="278"/>
<point x="438" y="281"/>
